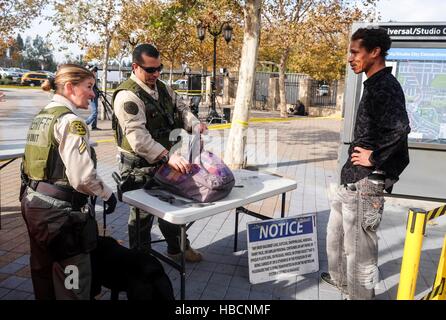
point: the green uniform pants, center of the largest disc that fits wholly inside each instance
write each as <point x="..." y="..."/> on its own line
<point x="69" y="278"/>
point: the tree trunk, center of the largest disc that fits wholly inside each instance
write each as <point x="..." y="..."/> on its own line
<point x="235" y="149"/>
<point x="282" y="89"/>
<point x="101" y="107"/>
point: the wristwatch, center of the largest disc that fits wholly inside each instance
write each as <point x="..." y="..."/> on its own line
<point x="164" y="159"/>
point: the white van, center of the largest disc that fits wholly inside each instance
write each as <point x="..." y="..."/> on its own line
<point x="181" y="83"/>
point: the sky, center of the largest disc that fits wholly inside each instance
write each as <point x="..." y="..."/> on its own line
<point x="395" y="10"/>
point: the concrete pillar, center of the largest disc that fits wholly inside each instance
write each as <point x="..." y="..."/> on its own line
<point x="305" y="91"/>
<point x="273" y="93"/>
<point x="226" y="85"/>
<point x="340" y="96"/>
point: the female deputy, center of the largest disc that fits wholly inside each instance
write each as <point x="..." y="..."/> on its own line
<point x="58" y="175"/>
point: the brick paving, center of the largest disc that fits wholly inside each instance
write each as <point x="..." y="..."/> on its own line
<point x="307" y="153"/>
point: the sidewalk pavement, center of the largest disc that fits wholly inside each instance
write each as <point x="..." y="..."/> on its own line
<point x="307" y="153"/>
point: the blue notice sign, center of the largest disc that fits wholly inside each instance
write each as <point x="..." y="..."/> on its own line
<point x="282" y="228"/>
<point x="283" y="247"/>
<point x="417" y="54"/>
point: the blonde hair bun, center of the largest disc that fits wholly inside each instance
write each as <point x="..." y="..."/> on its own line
<point x="67" y="73"/>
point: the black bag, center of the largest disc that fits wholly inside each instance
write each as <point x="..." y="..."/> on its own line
<point x="137" y="273"/>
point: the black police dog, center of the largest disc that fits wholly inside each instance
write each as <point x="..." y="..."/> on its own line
<point x="137" y="273"/>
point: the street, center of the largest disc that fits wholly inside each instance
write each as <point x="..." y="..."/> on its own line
<point x="306" y="152"/>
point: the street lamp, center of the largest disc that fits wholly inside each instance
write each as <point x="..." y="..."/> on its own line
<point x="214" y="31"/>
<point x="133" y="40"/>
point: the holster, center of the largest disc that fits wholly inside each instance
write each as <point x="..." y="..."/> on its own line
<point x="24" y="181"/>
<point x="118" y="181"/>
<point x="79" y="234"/>
<point x="135" y="177"/>
<point x="132" y="180"/>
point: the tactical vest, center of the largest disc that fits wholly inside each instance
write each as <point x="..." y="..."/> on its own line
<point x="42" y="161"/>
<point x="162" y="116"/>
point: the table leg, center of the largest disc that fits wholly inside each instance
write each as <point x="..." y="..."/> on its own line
<point x="138" y="228"/>
<point x="151" y="217"/>
<point x="282" y="213"/>
<point x="183" y="261"/>
<point x="1" y="167"/>
<point x="236" y="230"/>
<point x="5" y="164"/>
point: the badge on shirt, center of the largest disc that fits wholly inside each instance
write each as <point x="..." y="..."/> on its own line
<point x="78" y="128"/>
<point x="131" y="108"/>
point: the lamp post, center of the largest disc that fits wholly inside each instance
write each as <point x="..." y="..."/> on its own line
<point x="214" y="31"/>
<point x="133" y="41"/>
<point x="186" y="73"/>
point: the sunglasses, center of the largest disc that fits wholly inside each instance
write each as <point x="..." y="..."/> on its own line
<point x="152" y="69"/>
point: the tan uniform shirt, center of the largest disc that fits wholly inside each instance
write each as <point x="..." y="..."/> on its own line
<point x="133" y="126"/>
<point x="74" y="150"/>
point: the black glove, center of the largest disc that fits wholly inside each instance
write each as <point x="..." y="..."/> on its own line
<point x="110" y="204"/>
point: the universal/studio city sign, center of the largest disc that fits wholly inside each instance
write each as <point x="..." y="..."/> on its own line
<point x="424" y="32"/>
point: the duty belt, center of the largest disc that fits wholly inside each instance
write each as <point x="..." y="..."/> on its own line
<point x="76" y="199"/>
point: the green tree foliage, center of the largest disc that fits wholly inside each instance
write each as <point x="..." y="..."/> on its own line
<point x="37" y="55"/>
<point x="82" y="21"/>
<point x="16" y="14"/>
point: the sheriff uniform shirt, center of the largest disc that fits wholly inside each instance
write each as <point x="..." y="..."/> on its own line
<point x="74" y="150"/>
<point x="133" y="125"/>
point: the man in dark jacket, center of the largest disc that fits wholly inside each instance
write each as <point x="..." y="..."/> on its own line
<point x="377" y="156"/>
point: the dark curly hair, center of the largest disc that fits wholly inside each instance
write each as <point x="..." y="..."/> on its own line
<point x="372" y="38"/>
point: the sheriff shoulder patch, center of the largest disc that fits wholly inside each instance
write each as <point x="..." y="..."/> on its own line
<point x="131" y="108"/>
<point x="78" y="128"/>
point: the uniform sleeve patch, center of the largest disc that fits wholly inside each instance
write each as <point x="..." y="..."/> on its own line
<point x="78" y="128"/>
<point x="82" y="147"/>
<point x="131" y="108"/>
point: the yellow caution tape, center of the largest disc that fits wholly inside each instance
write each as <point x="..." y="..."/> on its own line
<point x="105" y="140"/>
<point x="243" y="123"/>
<point x="266" y="120"/>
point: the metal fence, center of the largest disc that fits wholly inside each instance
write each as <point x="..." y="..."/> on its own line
<point x="261" y="90"/>
<point x="323" y="93"/>
<point x="261" y="87"/>
<point x="292" y="87"/>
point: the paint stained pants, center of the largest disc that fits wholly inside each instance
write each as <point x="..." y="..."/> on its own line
<point x="352" y="243"/>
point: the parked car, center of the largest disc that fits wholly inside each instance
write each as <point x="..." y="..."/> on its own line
<point x="10" y="73"/>
<point x="323" y="90"/>
<point x="3" y="73"/>
<point x="49" y="73"/>
<point x="18" y="71"/>
<point x="34" y="78"/>
<point x="181" y="83"/>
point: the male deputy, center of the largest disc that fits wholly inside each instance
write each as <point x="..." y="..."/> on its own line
<point x="377" y="156"/>
<point x="146" y="114"/>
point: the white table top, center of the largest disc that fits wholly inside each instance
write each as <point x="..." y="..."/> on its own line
<point x="16" y="150"/>
<point x="256" y="186"/>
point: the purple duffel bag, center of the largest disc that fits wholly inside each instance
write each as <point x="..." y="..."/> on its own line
<point x="209" y="180"/>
